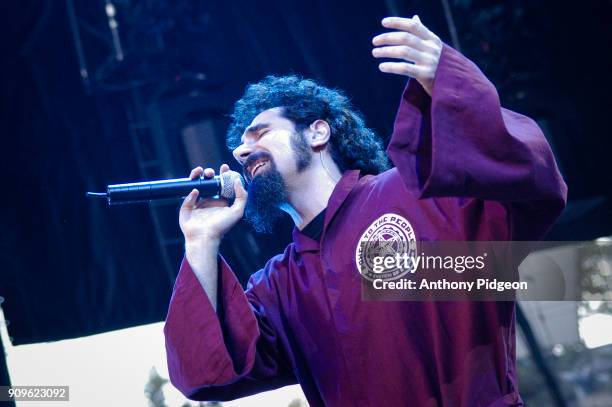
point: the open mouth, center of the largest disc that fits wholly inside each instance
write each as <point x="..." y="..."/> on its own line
<point x="256" y="167"/>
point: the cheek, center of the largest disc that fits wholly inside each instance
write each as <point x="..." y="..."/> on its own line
<point x="284" y="161"/>
<point x="282" y="154"/>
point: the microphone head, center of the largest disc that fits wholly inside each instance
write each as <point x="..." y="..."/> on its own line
<point x="227" y="184"/>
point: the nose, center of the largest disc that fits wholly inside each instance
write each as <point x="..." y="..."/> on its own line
<point x="242" y="152"/>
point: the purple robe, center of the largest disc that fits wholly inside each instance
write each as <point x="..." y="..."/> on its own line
<point x="465" y="169"/>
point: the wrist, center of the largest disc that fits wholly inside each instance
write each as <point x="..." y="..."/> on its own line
<point x="202" y="243"/>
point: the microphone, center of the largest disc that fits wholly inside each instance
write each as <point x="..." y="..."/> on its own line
<point x="220" y="185"/>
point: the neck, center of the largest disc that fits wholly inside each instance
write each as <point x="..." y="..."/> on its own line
<point x="311" y="189"/>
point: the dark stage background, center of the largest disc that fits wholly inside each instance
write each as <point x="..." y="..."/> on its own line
<point x="80" y="111"/>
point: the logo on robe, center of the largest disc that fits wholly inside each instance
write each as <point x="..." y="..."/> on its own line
<point x="390" y="235"/>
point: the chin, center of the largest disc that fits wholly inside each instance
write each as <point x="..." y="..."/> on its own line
<point x="267" y="192"/>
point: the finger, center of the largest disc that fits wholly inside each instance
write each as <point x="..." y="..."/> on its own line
<point x="196" y="173"/>
<point x="400" y="38"/>
<point x="401" y="52"/>
<point x="241" y="197"/>
<point x="401" y="68"/>
<point x="223" y="168"/>
<point x="411" y="25"/>
<point x="190" y="200"/>
<point x="209" y="173"/>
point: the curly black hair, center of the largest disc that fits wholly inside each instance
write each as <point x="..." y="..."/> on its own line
<point x="352" y="144"/>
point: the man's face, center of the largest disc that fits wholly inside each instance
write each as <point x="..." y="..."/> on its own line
<point x="271" y="141"/>
<point x="272" y="153"/>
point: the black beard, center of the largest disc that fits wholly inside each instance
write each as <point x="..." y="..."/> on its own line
<point x="267" y="192"/>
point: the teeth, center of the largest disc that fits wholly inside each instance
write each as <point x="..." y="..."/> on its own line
<point x="257" y="167"/>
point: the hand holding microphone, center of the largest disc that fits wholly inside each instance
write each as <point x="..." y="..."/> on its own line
<point x="210" y="218"/>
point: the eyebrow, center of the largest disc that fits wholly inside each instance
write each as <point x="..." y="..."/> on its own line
<point x="255" y="128"/>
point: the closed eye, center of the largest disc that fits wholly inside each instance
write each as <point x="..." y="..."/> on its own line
<point x="262" y="133"/>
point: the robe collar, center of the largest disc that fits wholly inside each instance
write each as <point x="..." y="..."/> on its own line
<point x="341" y="191"/>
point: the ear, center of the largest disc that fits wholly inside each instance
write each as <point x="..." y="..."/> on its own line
<point x="318" y="134"/>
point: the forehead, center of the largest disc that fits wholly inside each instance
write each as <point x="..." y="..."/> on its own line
<point x="268" y="118"/>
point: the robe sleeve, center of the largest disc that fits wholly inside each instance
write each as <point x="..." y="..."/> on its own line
<point x="227" y="355"/>
<point x="461" y="143"/>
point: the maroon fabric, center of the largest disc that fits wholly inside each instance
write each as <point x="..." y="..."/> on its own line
<point x="465" y="169"/>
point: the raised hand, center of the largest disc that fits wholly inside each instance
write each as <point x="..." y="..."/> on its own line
<point x="414" y="45"/>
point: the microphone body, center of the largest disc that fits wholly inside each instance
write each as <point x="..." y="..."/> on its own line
<point x="221" y="185"/>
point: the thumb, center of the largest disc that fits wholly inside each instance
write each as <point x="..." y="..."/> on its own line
<point x="190" y="200"/>
<point x="416" y="17"/>
<point x="241" y="196"/>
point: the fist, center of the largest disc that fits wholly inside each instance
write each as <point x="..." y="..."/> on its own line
<point x="416" y="48"/>
<point x="210" y="219"/>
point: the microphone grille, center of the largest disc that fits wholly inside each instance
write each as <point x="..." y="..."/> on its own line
<point x="227" y="184"/>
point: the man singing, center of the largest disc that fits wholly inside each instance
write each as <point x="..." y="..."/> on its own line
<point x="463" y="169"/>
